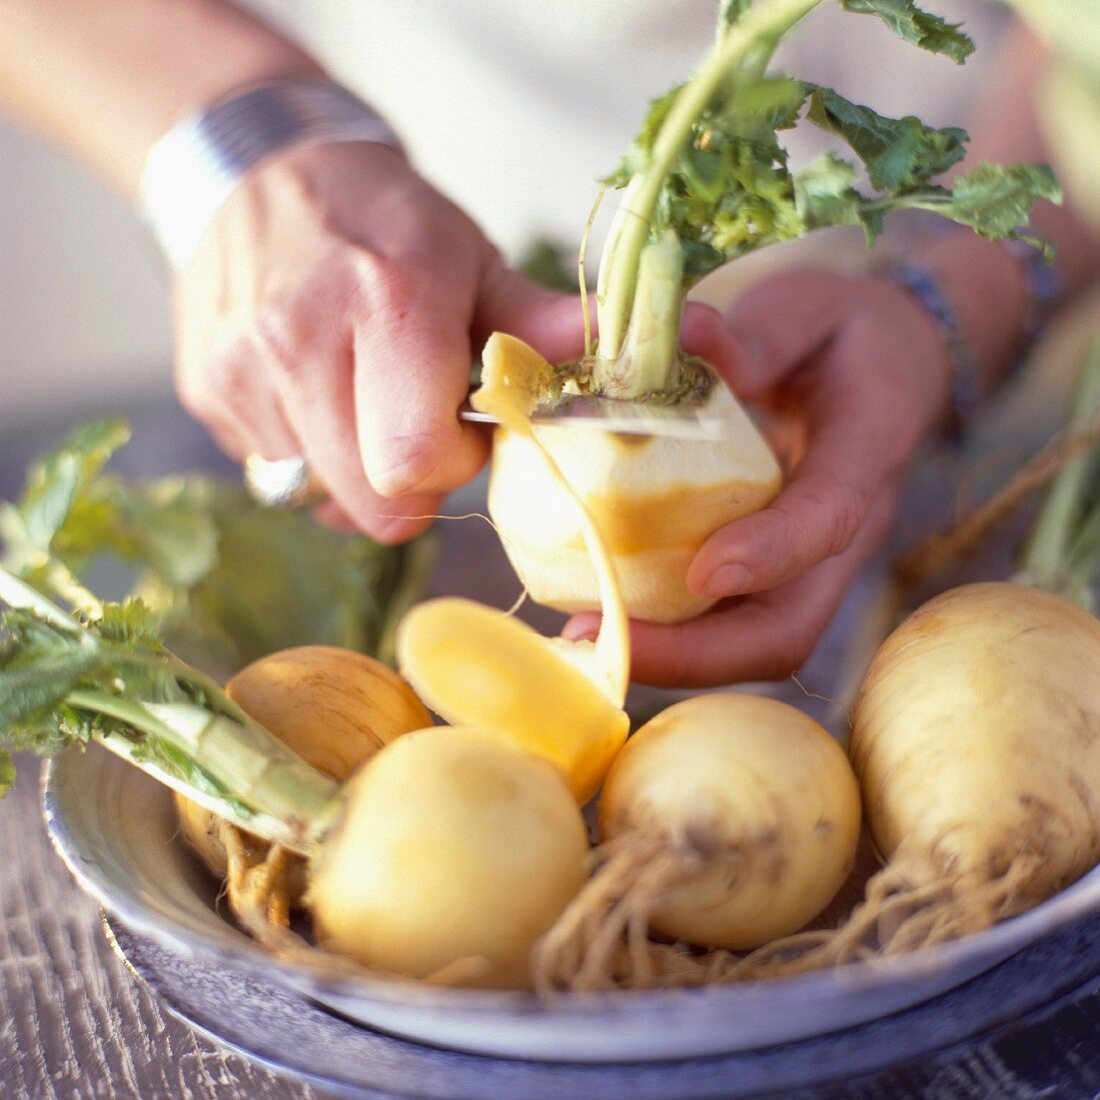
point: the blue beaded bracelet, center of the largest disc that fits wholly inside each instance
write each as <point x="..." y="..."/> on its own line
<point x="966" y="390"/>
<point x="1044" y="287"/>
<point x="1044" y="292"/>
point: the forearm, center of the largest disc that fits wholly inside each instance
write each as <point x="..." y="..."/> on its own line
<point x="106" y="78"/>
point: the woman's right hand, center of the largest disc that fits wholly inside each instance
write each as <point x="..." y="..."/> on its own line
<point x="333" y="310"/>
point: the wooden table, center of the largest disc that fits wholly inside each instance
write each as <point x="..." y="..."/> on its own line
<point x="74" y="1023"/>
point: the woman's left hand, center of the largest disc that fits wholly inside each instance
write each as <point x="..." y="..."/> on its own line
<point x="861" y="371"/>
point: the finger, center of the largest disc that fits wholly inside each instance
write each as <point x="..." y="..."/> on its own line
<point x="763" y="637"/>
<point x="705" y="333"/>
<point x="814" y="518"/>
<point x="330" y="514"/>
<point x="780" y="322"/>
<point x="233" y="396"/>
<point x="250" y="397"/>
<point x="412" y="370"/>
<point x="222" y="428"/>
<point x="318" y="395"/>
<point x="850" y="454"/>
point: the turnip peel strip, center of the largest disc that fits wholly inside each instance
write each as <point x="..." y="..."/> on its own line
<point x="514" y="377"/>
<point x="477" y="666"/>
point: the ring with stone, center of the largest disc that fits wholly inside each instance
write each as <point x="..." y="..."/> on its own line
<point x="281" y="482"/>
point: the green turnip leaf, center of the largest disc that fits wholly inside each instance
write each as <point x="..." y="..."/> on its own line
<point x="900" y="154"/>
<point x="905" y="19"/>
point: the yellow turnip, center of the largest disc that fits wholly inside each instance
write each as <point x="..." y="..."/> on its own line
<point x="455" y="852"/>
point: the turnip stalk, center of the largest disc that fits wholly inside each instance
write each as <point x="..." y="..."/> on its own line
<point x="1085" y="548"/>
<point x="635" y="295"/>
<point x="336" y="708"/>
<point x="1061" y="553"/>
<point x="244" y="773"/>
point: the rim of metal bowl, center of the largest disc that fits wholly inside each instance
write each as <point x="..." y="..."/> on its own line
<point x="1079" y="900"/>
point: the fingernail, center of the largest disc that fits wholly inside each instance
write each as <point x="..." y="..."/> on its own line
<point x="579" y="633"/>
<point x="727" y="580"/>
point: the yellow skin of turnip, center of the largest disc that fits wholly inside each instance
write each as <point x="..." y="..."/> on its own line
<point x="334" y="707"/>
<point x="477" y="666"/>
<point x="455" y="852"/>
<point x="655" y="500"/>
<point x="757" y="789"/>
<point x="976" y="735"/>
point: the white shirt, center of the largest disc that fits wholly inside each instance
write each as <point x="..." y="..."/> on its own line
<point x="515" y="109"/>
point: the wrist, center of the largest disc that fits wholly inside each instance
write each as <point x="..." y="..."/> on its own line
<point x="962" y="392"/>
<point x="986" y="288"/>
<point x="987" y="302"/>
<point x="191" y="171"/>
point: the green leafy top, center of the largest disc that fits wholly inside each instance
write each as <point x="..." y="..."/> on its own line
<point x="709" y="167"/>
<point x="219" y="580"/>
<point x="192" y="546"/>
<point x="48" y="660"/>
<point x="66" y="678"/>
<point x="906" y="20"/>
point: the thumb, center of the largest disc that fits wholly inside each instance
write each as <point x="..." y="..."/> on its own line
<point x="782" y="321"/>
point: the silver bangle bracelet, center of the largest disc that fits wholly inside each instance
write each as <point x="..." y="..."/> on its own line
<point x="194" y="168"/>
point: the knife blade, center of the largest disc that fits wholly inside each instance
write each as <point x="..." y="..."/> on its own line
<point x="611" y="414"/>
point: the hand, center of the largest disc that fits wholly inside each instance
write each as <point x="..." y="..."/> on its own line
<point x="333" y="310"/>
<point x="861" y="371"/>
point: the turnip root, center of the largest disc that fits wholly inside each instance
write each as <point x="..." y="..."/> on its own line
<point x="334" y="707"/>
<point x="976" y="738"/>
<point x="726" y="821"/>
<point x="977" y="741"/>
<point x="976" y="734"/>
<point x="455" y="852"/>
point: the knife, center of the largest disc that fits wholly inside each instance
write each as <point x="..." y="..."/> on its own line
<point x="610" y="414"/>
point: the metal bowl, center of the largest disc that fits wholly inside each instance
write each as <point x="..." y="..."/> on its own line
<point x="117" y="831"/>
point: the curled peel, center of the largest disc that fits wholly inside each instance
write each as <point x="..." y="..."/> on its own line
<point x="477" y="666"/>
<point x="513" y="378"/>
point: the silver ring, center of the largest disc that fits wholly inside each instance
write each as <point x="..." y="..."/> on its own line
<point x="281" y="482"/>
